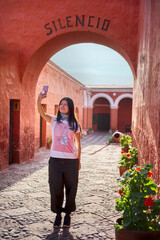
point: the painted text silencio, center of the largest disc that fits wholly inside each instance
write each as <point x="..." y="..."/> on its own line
<point x="76" y="21"/>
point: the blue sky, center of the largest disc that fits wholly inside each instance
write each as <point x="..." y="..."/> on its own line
<point x="94" y="64"/>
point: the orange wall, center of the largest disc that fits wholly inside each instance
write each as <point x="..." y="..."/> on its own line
<point x="10" y="88"/>
<point x="146" y="104"/>
<point x="114" y="119"/>
<point x="100" y="106"/>
<point x="26" y="46"/>
<point x="110" y="93"/>
<point x="101" y="109"/>
<point x="124" y="114"/>
<point x="28" y="27"/>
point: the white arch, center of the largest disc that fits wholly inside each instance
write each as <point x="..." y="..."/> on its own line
<point x="103" y="95"/>
<point x="119" y="98"/>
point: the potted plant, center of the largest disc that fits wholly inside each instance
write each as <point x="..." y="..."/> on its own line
<point x="89" y="130"/>
<point x="140" y="212"/>
<point x="113" y="130"/>
<point x="110" y="140"/>
<point x="82" y="134"/>
<point x="49" y="142"/>
<point x="128" y="160"/>
<point x="125" y="142"/>
<point x="116" y="137"/>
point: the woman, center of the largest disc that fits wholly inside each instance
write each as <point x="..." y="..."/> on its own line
<point x="64" y="161"/>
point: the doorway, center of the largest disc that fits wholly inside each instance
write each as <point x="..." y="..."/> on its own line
<point x="14" y="131"/>
<point x="101" y="114"/>
<point x="103" y="121"/>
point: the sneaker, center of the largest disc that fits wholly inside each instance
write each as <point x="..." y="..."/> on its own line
<point x="57" y="222"/>
<point x="67" y="221"/>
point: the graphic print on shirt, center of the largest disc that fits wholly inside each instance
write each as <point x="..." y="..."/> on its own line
<point x="63" y="138"/>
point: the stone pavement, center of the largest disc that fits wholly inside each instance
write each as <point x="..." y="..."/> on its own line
<point x="25" y="200"/>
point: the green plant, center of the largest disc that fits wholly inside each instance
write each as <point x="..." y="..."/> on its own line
<point x="89" y="130"/>
<point x="82" y="134"/>
<point x="49" y="140"/>
<point x="128" y="160"/>
<point x="140" y="211"/>
<point x="126" y="141"/>
<point x="134" y="153"/>
<point x="113" y="130"/>
<point x="110" y="139"/>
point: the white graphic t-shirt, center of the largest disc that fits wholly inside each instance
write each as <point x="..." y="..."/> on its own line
<point x="63" y="145"/>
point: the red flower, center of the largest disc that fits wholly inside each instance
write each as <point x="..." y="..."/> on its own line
<point x="128" y="155"/>
<point x="120" y="192"/>
<point x="128" y="133"/>
<point x="122" y="152"/>
<point x="138" y="169"/>
<point x="149" y="174"/>
<point x="148" y="202"/>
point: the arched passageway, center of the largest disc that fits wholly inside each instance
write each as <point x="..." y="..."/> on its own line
<point x="29" y="42"/>
<point x="101" y="115"/>
<point x="125" y="115"/>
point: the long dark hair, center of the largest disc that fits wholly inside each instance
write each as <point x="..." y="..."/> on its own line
<point x="71" y="114"/>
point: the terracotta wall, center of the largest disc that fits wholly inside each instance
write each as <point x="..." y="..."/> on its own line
<point x="116" y="90"/>
<point x="120" y="106"/>
<point x="60" y="85"/>
<point x="146" y="107"/>
<point x="101" y="106"/>
<point x="100" y="109"/>
<point x="124" y="114"/>
<point x="10" y="88"/>
<point x="27" y="43"/>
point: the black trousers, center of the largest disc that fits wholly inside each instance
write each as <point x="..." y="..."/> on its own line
<point x="63" y="175"/>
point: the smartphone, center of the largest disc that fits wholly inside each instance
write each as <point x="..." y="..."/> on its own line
<point x="45" y="89"/>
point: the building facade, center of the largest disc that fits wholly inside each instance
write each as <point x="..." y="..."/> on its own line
<point x="109" y="107"/>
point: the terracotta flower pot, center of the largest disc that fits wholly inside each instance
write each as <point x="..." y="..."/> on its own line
<point x="82" y="135"/>
<point x="49" y="145"/>
<point x="125" y="234"/>
<point x="122" y="170"/>
<point x="116" y="137"/>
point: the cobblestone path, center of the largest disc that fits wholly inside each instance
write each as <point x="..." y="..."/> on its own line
<point x="25" y="200"/>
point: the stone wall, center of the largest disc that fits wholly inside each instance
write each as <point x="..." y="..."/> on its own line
<point x="146" y="107"/>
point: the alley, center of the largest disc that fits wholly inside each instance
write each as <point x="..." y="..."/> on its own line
<point x="25" y="199"/>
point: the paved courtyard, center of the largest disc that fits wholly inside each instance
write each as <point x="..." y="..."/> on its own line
<point x="25" y="200"/>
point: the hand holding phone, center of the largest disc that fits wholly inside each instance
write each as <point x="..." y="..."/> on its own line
<point x="45" y="89"/>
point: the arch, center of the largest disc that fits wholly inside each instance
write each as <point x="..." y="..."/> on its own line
<point x="103" y="95"/>
<point x="52" y="46"/>
<point x="119" y="98"/>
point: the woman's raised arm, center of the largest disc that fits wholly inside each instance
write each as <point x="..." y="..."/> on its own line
<point x="44" y="115"/>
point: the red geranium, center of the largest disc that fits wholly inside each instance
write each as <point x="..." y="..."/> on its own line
<point x="122" y="152"/>
<point x="148" y="202"/>
<point x="128" y="155"/>
<point x="128" y="133"/>
<point x="120" y="192"/>
<point x="138" y="169"/>
<point x="149" y="174"/>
